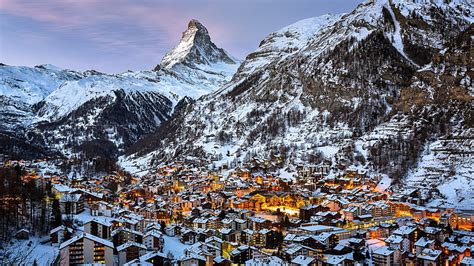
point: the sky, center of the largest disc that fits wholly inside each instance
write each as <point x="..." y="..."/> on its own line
<point x="118" y="35"/>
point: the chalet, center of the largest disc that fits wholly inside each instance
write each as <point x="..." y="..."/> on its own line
<point x="192" y="260"/>
<point x="188" y="236"/>
<point x="429" y="257"/>
<point x="269" y="238"/>
<point x="59" y="190"/>
<point x="424" y="243"/>
<point x="455" y="251"/>
<point x="200" y="223"/>
<point x="295" y="250"/>
<point x="213" y="223"/>
<point x="248" y="237"/>
<point x="153" y="240"/>
<point x="258" y="223"/>
<point x="337" y="260"/>
<point x="302" y="260"/>
<point x="221" y="261"/>
<point x="215" y="241"/>
<point x="172" y="230"/>
<point x="60" y="234"/>
<point x="101" y="208"/>
<point x="434" y="233"/>
<point x="386" y="256"/>
<point x="309" y="210"/>
<point x="382" y="209"/>
<point x="99" y="227"/>
<point x="229" y="235"/>
<point x="207" y="250"/>
<point x="154" y="258"/>
<point x="239" y="224"/>
<point x="71" y="204"/>
<point x="412" y="234"/>
<point x="397" y="242"/>
<point x="88" y="196"/>
<point x="123" y="235"/>
<point x="328" y="239"/>
<point x="22" y="234"/>
<point x="130" y="251"/>
<point x="86" y="249"/>
<point x="356" y="243"/>
<point x="134" y="222"/>
<point x="241" y="254"/>
<point x="202" y="234"/>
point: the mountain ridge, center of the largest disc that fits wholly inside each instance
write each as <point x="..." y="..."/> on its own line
<point x="333" y="96"/>
<point x="61" y="108"/>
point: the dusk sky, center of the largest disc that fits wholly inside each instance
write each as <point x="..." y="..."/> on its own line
<point x="119" y="35"/>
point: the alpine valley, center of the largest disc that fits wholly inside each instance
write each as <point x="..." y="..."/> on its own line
<point x="385" y="89"/>
<point x="344" y="139"/>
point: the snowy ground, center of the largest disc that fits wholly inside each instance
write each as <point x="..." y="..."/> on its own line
<point x="26" y="252"/>
<point x="173" y="245"/>
<point x="447" y="172"/>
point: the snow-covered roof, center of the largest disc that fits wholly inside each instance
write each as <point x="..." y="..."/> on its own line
<point x="214" y="238"/>
<point x="384" y="251"/>
<point x="61" y="227"/>
<point x="404" y="230"/>
<point x="423" y="242"/>
<point x="88" y="236"/>
<point x="193" y="256"/>
<point x="394" y="239"/>
<point x="70" y="198"/>
<point x="335" y="260"/>
<point x="429" y="254"/>
<point x="62" y="188"/>
<point x="100" y="220"/>
<point x="302" y="260"/>
<point x="265" y="261"/>
<point x="130" y="244"/>
<point x="152" y="254"/>
<point x="319" y="228"/>
<point x="137" y="262"/>
<point x="467" y="261"/>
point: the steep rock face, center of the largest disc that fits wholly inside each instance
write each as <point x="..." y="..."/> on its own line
<point x="440" y="100"/>
<point x="63" y="109"/>
<point x="196" y="48"/>
<point x="327" y="87"/>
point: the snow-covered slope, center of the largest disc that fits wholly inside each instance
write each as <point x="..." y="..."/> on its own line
<point x="193" y="68"/>
<point x="32" y="84"/>
<point x="64" y="109"/>
<point x="329" y="87"/>
<point x="22" y="87"/>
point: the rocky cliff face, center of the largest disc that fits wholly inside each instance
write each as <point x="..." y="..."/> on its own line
<point x="334" y="88"/>
<point x="196" y="49"/>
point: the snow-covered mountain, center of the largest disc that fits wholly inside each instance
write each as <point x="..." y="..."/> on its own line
<point x="64" y="109"/>
<point x="352" y="88"/>
<point x="196" y="50"/>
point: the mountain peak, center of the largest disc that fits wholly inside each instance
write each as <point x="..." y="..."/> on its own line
<point x="195" y="48"/>
<point x="195" y="25"/>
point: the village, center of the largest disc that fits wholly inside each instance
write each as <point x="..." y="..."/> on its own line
<point x="184" y="214"/>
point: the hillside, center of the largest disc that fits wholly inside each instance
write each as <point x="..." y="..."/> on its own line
<point x="73" y="112"/>
<point x="335" y="88"/>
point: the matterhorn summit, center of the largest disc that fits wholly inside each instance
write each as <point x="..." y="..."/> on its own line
<point x="196" y="48"/>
